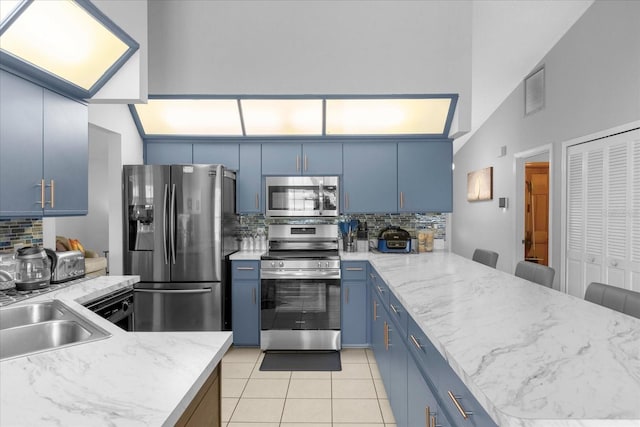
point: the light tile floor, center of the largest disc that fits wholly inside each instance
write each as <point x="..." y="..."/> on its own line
<point x="353" y="397"/>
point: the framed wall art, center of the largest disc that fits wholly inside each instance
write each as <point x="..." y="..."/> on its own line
<point x="480" y="185"/>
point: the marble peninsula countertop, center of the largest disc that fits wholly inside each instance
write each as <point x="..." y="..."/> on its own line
<point x="127" y="379"/>
<point x="532" y="356"/>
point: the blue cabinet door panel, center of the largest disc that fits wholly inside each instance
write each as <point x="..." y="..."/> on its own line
<point x="397" y="374"/>
<point x="168" y="153"/>
<point x="249" y="194"/>
<point x="281" y="158"/>
<point x="370" y="178"/>
<point x="354" y="313"/>
<point x="66" y="155"/>
<point x="245" y="303"/>
<point x="425" y="177"/>
<point x="223" y="153"/>
<point x="21" y="109"/>
<point x="322" y="158"/>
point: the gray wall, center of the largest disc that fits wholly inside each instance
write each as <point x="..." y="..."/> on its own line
<point x="311" y="47"/>
<point x="592" y="84"/>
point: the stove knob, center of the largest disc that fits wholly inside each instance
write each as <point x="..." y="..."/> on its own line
<point x="319" y="264"/>
<point x="326" y="264"/>
<point x="281" y="263"/>
<point x="273" y="263"/>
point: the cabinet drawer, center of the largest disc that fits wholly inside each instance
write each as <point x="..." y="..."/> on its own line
<point x="379" y="287"/>
<point x="398" y="314"/>
<point x="245" y="270"/>
<point x="354" y="270"/>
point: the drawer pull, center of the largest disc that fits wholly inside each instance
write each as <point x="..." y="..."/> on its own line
<point x="380" y="289"/>
<point x="386" y="336"/>
<point x="395" y="310"/>
<point x="415" y="342"/>
<point x="354" y="268"/>
<point x="465" y="414"/>
<point x="245" y="268"/>
<point x="427" y="416"/>
<point x="375" y="311"/>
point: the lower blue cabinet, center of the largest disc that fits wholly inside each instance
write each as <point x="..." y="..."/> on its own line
<point x="354" y="304"/>
<point x="397" y="390"/>
<point x="422" y="405"/>
<point x="245" y="303"/>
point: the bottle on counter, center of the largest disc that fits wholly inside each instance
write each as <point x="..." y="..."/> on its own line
<point x="425" y="240"/>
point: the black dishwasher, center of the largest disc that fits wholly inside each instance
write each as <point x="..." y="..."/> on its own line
<point x="116" y="307"/>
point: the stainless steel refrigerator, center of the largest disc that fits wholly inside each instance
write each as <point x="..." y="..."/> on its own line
<point x="179" y="229"/>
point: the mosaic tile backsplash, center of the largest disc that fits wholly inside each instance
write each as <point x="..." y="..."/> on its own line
<point x="16" y="231"/>
<point x="375" y="222"/>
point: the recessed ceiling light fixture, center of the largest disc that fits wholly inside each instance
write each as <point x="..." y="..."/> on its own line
<point x="67" y="44"/>
<point x="295" y="116"/>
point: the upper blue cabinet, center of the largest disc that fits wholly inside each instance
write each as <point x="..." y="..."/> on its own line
<point x="425" y="176"/>
<point x="313" y="158"/>
<point x="43" y="151"/>
<point x="70" y="47"/>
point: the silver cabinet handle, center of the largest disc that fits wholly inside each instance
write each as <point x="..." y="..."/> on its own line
<point x="306" y="163"/>
<point x="52" y="187"/>
<point x="245" y="268"/>
<point x="257" y="200"/>
<point x="380" y="289"/>
<point x="395" y="310"/>
<point x="465" y="414"/>
<point x="174" y="291"/>
<point x="354" y="268"/>
<point x="415" y="342"/>
<point x="402" y="199"/>
<point x="41" y="201"/>
<point x="297" y="163"/>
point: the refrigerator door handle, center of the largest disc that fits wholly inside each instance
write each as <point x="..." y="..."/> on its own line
<point x="175" y="291"/>
<point x="165" y="207"/>
<point x="172" y="222"/>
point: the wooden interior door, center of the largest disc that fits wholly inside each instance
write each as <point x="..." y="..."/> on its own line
<point x="536" y="213"/>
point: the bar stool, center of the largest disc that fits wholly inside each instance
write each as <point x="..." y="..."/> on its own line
<point x="540" y="274"/>
<point x="622" y="300"/>
<point x="486" y="257"/>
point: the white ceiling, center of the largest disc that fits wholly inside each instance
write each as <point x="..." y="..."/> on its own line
<point x="509" y="38"/>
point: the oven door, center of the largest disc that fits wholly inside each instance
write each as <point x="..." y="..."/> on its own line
<point x="300" y="314"/>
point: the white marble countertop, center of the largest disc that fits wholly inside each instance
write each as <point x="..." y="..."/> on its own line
<point x="531" y="356"/>
<point x="128" y="379"/>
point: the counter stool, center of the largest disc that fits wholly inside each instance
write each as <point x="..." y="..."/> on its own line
<point x="486" y="257"/>
<point x="619" y="299"/>
<point x="538" y="273"/>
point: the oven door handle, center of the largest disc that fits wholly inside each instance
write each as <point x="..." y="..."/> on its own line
<point x="174" y="291"/>
<point x="299" y="274"/>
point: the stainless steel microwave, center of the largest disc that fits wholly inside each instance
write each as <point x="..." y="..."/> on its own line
<point x="302" y="196"/>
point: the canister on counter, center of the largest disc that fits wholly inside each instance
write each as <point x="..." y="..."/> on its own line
<point x="425" y="240"/>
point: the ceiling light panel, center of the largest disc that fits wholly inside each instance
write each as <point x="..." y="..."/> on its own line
<point x="386" y="116"/>
<point x="64" y="39"/>
<point x="193" y="117"/>
<point x="282" y="116"/>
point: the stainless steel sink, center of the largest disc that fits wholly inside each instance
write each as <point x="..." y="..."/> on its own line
<point x="20" y="315"/>
<point x="37" y="327"/>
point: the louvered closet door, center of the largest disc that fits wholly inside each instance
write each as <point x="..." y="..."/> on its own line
<point x="603" y="213"/>
<point x="616" y="218"/>
<point x="575" y="221"/>
<point x="635" y="214"/>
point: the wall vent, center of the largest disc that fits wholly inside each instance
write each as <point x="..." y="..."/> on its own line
<point x="534" y="91"/>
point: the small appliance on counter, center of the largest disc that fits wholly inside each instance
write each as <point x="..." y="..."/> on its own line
<point x="394" y="240"/>
<point x="7" y="271"/>
<point x="33" y="269"/>
<point x="66" y="266"/>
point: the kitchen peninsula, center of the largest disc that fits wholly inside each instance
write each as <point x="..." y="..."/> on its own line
<point x="128" y="379"/>
<point x="530" y="355"/>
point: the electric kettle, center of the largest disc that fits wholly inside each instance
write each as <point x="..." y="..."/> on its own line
<point x="33" y="269"/>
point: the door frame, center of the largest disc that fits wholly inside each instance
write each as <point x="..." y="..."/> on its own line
<point x="563" y="201"/>
<point x="519" y="159"/>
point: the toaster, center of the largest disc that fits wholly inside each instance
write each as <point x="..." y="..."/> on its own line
<point x="394" y="240"/>
<point x="65" y="266"/>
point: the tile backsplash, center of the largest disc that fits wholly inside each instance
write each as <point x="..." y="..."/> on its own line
<point x="375" y="222"/>
<point x="19" y="231"/>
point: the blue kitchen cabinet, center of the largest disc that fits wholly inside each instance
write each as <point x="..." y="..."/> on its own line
<point x="354" y="304"/>
<point x="168" y="152"/>
<point x="245" y="303"/>
<point x="425" y="176"/>
<point x="66" y="155"/>
<point x="370" y="177"/>
<point x="222" y="153"/>
<point x="249" y="194"/>
<point x="43" y="151"/>
<point x="321" y="158"/>
<point x="422" y="406"/>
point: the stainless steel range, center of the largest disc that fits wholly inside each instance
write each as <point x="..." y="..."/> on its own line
<point x="300" y="282"/>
